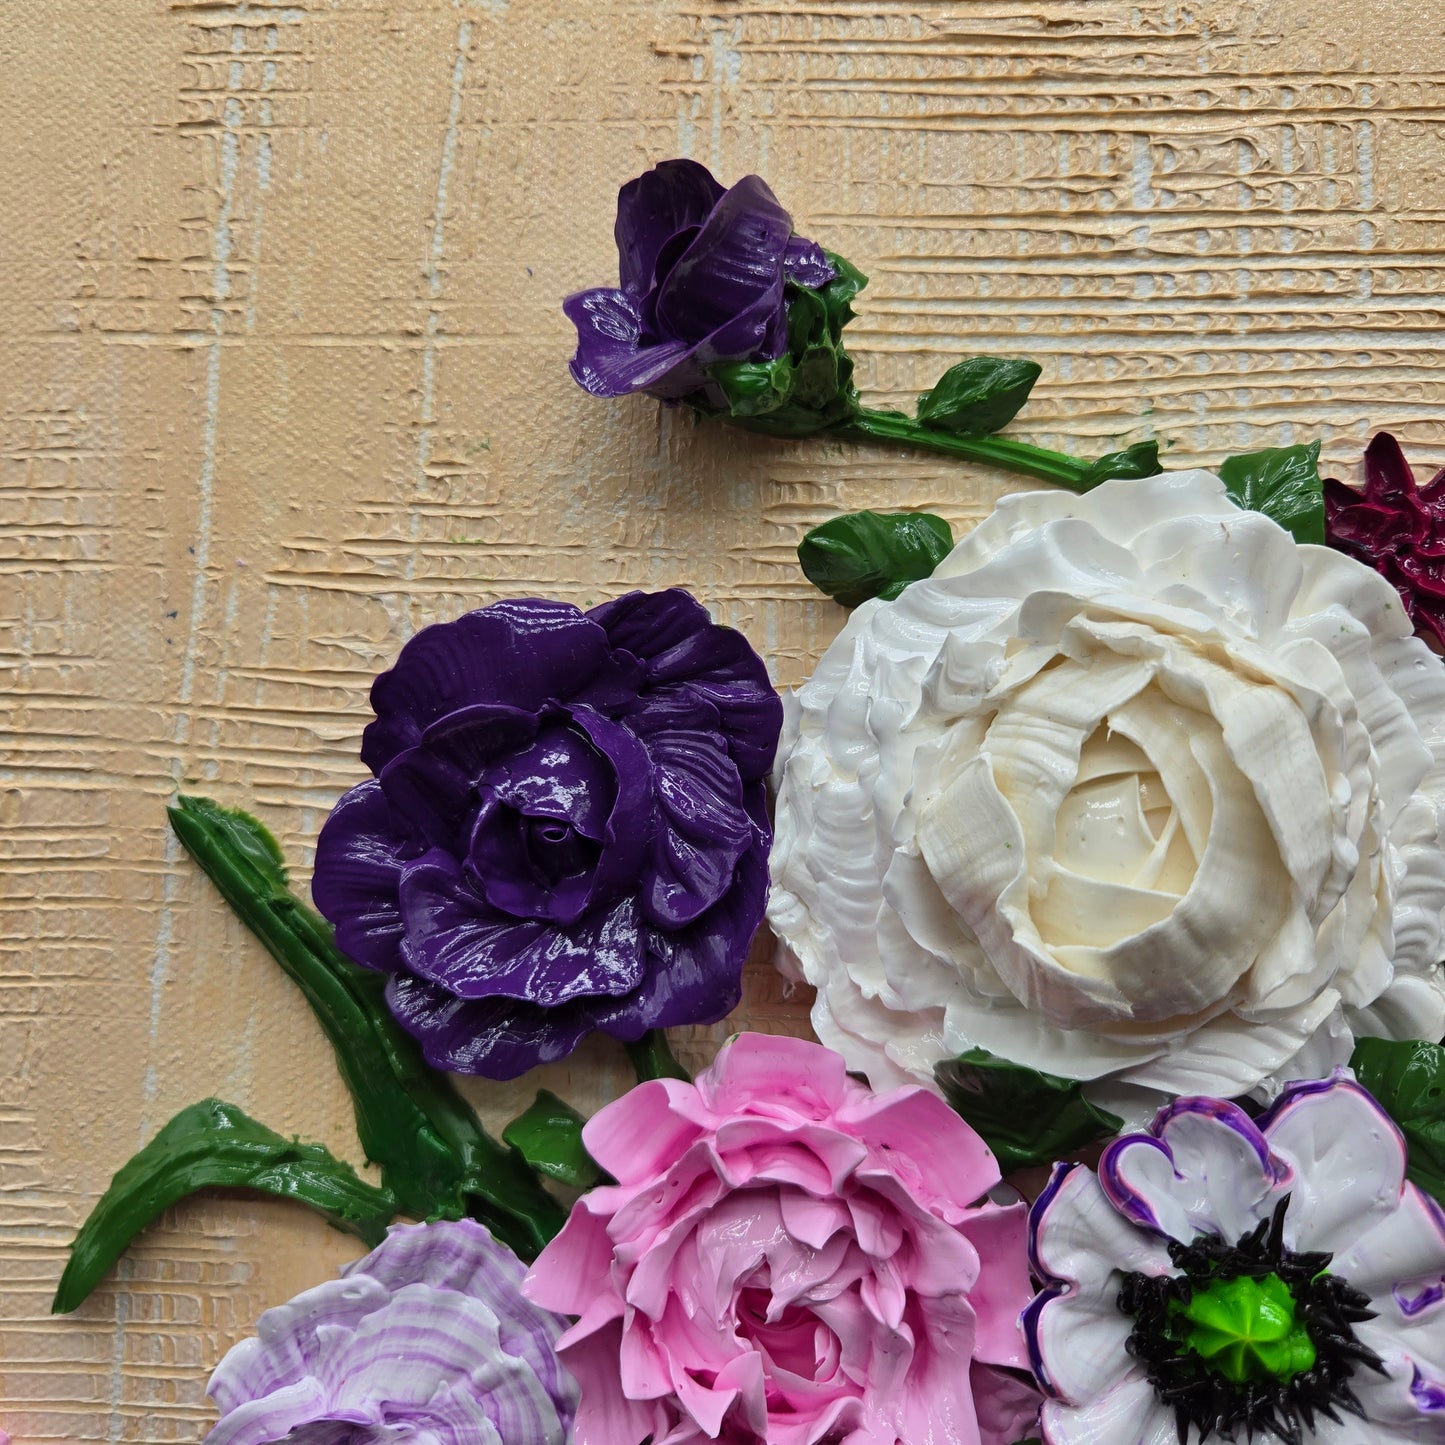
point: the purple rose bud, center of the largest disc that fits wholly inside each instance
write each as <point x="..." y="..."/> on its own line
<point x="428" y="1339"/>
<point x="1398" y="528"/>
<point x="566" y="830"/>
<point x="701" y="273"/>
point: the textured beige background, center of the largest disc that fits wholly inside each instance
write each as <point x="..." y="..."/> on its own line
<point x="282" y="378"/>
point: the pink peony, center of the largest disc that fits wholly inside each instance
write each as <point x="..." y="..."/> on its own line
<point x="789" y="1258"/>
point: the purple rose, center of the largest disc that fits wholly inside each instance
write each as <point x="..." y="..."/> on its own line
<point x="566" y="830"/>
<point x="702" y="271"/>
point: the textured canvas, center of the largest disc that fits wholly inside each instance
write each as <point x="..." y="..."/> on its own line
<point x="283" y="378"/>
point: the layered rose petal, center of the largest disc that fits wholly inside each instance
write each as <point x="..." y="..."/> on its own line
<point x="428" y="1336"/>
<point x="1133" y="789"/>
<point x="787" y="1259"/>
<point x="550" y="851"/>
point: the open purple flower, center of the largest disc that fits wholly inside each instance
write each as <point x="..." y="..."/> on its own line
<point x="1238" y="1280"/>
<point x="427" y="1339"/>
<point x="566" y="830"/>
<point x="702" y="271"/>
<point x="1396" y="527"/>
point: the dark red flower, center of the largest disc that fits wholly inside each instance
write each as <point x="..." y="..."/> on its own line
<point x="1397" y="528"/>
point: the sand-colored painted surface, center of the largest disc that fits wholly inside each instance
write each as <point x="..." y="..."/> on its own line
<point x="283" y="377"/>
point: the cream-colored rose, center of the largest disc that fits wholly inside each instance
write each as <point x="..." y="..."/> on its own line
<point x="1132" y="789"/>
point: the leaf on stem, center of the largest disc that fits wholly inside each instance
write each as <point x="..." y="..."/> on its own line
<point x="1139" y="460"/>
<point x="1283" y="483"/>
<point x="979" y="396"/>
<point x="1407" y="1080"/>
<point x="548" y="1135"/>
<point x="872" y="554"/>
<point x="214" y="1145"/>
<point x="1026" y="1117"/>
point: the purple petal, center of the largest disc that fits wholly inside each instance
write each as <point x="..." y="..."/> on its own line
<point x="1389" y="481"/>
<point x="681" y="647"/>
<point x="727" y="289"/>
<point x="671" y="197"/>
<point x="428" y="1335"/>
<point x="805" y="264"/>
<point x="610" y="359"/>
<point x="454" y="939"/>
<point x="704" y="830"/>
<point x="695" y="974"/>
<point x="514" y="655"/>
<point x="359" y="858"/>
<point x="497" y="1038"/>
<point x="562" y="775"/>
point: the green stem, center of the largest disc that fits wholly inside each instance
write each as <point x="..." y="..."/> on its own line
<point x="1057" y="467"/>
<point x="433" y="1153"/>
<point x="652" y="1058"/>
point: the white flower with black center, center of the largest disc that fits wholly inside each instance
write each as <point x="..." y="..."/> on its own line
<point x="1238" y="1280"/>
<point x="1133" y="789"/>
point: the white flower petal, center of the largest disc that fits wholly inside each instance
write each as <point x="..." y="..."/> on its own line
<point x="1128" y="1415"/>
<point x="1079" y="1237"/>
<point x="1348" y="1161"/>
<point x="1403" y="1256"/>
<point x="952" y="755"/>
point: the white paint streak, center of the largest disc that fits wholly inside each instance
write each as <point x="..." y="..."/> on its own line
<point x="433" y="275"/>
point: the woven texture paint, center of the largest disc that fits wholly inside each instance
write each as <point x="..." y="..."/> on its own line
<point x="283" y="378"/>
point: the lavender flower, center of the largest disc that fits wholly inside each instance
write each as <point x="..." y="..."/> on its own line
<point x="566" y="831"/>
<point x="427" y="1338"/>
<point x="702" y="272"/>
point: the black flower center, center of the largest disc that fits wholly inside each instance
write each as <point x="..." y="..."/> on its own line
<point x="1249" y="1384"/>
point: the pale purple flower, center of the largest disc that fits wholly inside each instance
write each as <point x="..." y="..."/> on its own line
<point x="1314" y="1193"/>
<point x="427" y="1341"/>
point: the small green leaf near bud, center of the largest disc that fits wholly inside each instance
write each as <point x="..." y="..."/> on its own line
<point x="979" y="396"/>
<point x="870" y="554"/>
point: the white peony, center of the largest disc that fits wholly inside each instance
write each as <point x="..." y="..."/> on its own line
<point x="1133" y="789"/>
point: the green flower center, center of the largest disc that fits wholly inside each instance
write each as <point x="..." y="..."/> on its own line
<point x="1245" y="1329"/>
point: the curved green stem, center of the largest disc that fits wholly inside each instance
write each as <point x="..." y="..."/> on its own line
<point x="1058" y="467"/>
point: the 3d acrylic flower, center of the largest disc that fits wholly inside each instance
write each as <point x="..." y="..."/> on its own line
<point x="788" y="1259"/>
<point x="1132" y="789"/>
<point x="566" y="830"/>
<point x="426" y="1339"/>
<point x="1397" y="528"/>
<point x="1276" y="1279"/>
<point x="702" y="271"/>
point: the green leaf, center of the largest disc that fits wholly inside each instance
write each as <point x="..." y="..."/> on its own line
<point x="1283" y="483"/>
<point x="652" y="1058"/>
<point x="838" y="295"/>
<point x="1407" y="1079"/>
<point x="1026" y="1117"/>
<point x="865" y="554"/>
<point x="434" y="1156"/>
<point x="979" y="396"/>
<point x="1139" y="460"/>
<point x="754" y="388"/>
<point x="215" y="1145"/>
<point x="549" y="1137"/>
